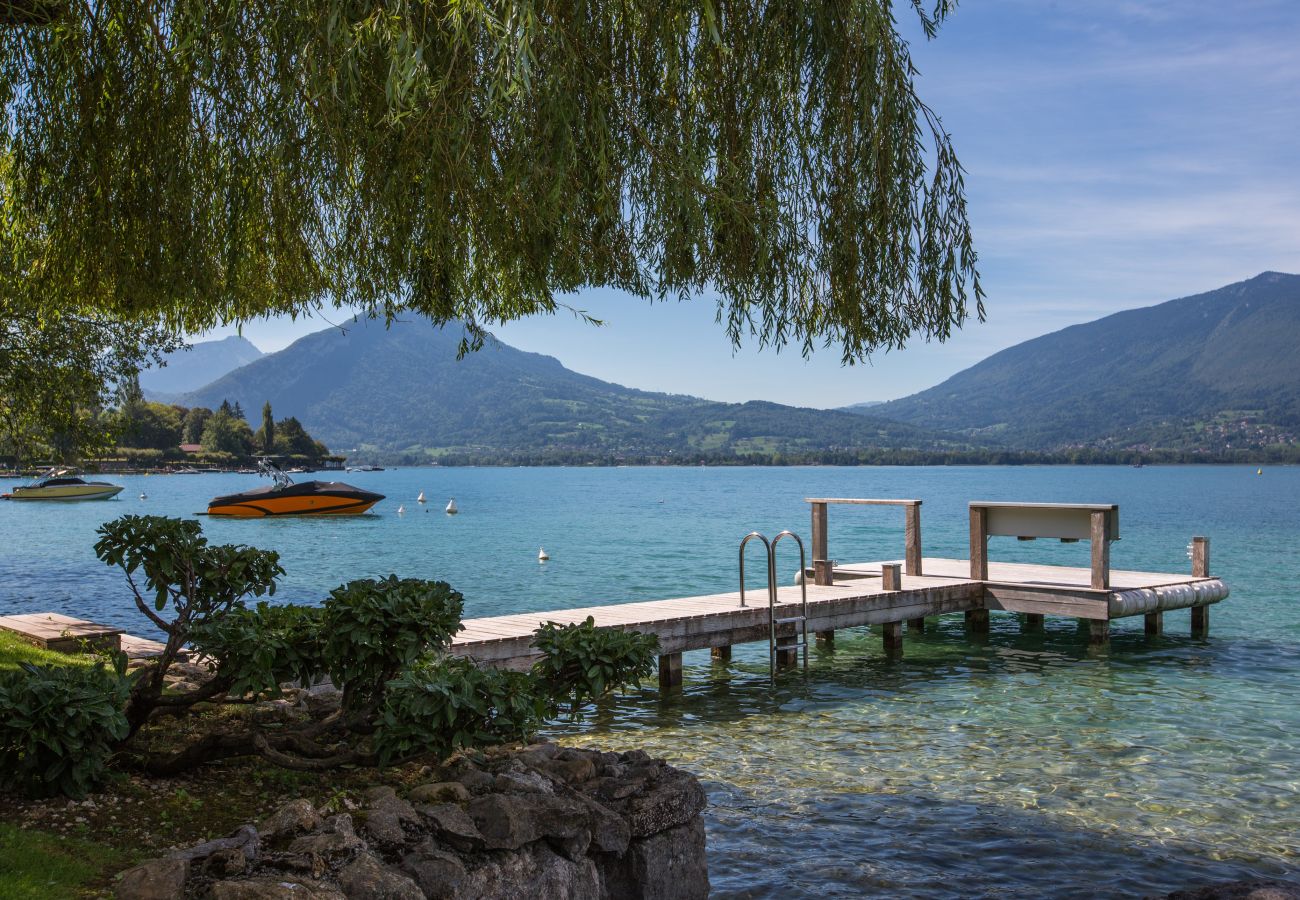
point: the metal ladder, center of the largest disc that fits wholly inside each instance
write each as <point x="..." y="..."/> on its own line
<point x="774" y="645"/>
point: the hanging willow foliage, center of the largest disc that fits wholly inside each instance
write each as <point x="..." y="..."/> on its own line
<point x="201" y="161"/>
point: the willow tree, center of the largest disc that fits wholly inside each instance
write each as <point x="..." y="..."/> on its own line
<point x="196" y="162"/>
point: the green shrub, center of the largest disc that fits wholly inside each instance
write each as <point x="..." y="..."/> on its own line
<point x="58" y="727"/>
<point x="373" y="629"/>
<point x="258" y="649"/>
<point x="581" y="662"/>
<point x="440" y="705"/>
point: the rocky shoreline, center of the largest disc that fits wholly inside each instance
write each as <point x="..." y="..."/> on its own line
<point x="541" y="821"/>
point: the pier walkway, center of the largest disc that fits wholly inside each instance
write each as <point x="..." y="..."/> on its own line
<point x="892" y="593"/>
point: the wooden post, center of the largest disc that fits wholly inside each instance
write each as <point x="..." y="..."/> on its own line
<point x="891" y="577"/>
<point x="826" y="640"/>
<point x="913" y="538"/>
<point x="1154" y="623"/>
<point x="819" y="540"/>
<point x="979" y="545"/>
<point x="977" y="621"/>
<point x="1098" y="631"/>
<point x="1200" y="621"/>
<point x="917" y="625"/>
<point x="1032" y="623"/>
<point x="1200" y="569"/>
<point x="670" y="671"/>
<point x="721" y="654"/>
<point x="1100" y="549"/>
<point x="892" y="632"/>
<point x="823" y="571"/>
<point x="1201" y="557"/>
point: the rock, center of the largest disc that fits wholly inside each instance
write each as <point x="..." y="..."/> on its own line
<point x="293" y="818"/>
<point x="225" y="863"/>
<point x="522" y="783"/>
<point x="366" y="878"/>
<point x="453" y="825"/>
<point x="440" y="792"/>
<point x="275" y="889"/>
<point x="336" y="837"/>
<point x="508" y="821"/>
<point x="1241" y="890"/>
<point x="321" y="699"/>
<point x="671" y="865"/>
<point x="573" y="770"/>
<point x="536" y="871"/>
<point x="476" y="780"/>
<point x="675" y="798"/>
<point x="504" y="820"/>
<point x="273" y="711"/>
<point x="609" y="831"/>
<point x="439" y="874"/>
<point x="615" y="788"/>
<point x="157" y="879"/>
<point x="385" y="815"/>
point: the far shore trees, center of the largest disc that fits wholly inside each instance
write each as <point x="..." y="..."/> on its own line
<point x="167" y="167"/>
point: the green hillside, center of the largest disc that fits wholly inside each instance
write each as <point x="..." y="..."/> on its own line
<point x="401" y="393"/>
<point x="1212" y="373"/>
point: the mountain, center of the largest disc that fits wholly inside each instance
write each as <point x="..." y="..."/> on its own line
<point x="400" y="391"/>
<point x="1212" y="372"/>
<point x="191" y="368"/>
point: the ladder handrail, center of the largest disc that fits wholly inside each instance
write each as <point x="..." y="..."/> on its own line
<point x="771" y="575"/>
<point x="803" y="590"/>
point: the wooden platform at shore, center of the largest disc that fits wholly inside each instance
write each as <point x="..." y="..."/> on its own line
<point x="55" y="631"/>
<point x="858" y="597"/>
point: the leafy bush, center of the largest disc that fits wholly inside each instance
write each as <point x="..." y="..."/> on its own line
<point x="373" y="629"/>
<point x="59" y="726"/>
<point x="581" y="662"/>
<point x="440" y="705"/>
<point x="255" y="650"/>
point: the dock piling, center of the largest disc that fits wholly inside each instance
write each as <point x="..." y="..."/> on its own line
<point x="1154" y="624"/>
<point x="721" y="654"/>
<point x="670" y="671"/>
<point x="892" y="632"/>
<point x="1032" y="623"/>
<point x="1200" y="569"/>
<point x="891" y="577"/>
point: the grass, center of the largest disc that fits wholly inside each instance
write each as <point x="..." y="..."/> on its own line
<point x="36" y="865"/>
<point x="14" y="650"/>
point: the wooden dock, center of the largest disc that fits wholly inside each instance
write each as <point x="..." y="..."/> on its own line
<point x="894" y="592"/>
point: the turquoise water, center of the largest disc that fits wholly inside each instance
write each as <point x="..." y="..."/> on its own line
<point x="1015" y="766"/>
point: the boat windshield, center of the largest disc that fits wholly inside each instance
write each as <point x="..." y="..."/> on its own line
<point x="271" y="470"/>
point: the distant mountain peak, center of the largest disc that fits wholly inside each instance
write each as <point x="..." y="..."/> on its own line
<point x="1213" y="370"/>
<point x="192" y="367"/>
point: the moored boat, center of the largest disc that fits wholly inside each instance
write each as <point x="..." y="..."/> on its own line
<point x="64" y="484"/>
<point x="285" y="498"/>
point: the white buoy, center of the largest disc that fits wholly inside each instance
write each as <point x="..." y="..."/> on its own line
<point x="541" y="555"/>
<point x="401" y="510"/>
<point x="451" y="507"/>
<point x="420" y="499"/>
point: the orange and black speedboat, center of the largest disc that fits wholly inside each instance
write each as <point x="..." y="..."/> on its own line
<point x="285" y="498"/>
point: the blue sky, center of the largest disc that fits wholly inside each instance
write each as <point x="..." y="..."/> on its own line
<point x="1118" y="154"/>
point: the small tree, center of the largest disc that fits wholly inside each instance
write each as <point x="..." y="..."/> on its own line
<point x="266" y="437"/>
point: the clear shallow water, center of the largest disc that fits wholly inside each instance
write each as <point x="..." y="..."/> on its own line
<point x="1018" y="766"/>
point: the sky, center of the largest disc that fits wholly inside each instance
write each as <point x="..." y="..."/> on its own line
<point x="1118" y="154"/>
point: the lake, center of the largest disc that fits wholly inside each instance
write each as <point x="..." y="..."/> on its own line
<point x="1020" y="765"/>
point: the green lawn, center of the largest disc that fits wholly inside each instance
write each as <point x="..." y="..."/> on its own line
<point x="35" y="865"/>
<point x="14" y="650"/>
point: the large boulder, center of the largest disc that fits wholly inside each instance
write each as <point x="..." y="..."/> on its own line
<point x="157" y="879"/>
<point x="670" y="865"/>
<point x="366" y="878"/>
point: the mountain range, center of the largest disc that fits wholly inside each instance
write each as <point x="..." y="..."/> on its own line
<point x="399" y="392"/>
<point x="1208" y="376"/>
<point x="1211" y="372"/>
